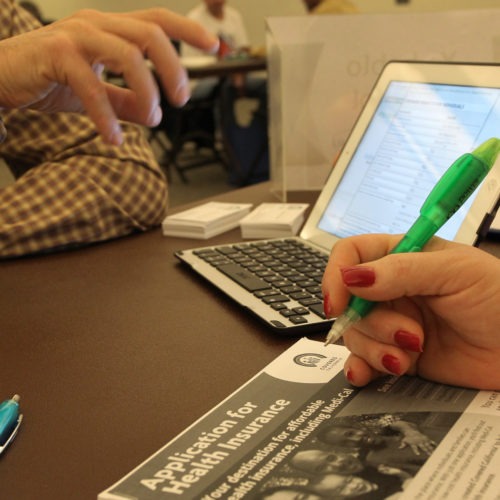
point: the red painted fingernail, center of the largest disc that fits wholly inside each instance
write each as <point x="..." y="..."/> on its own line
<point x="358" y="276"/>
<point x="327" y="309"/>
<point x="391" y="364"/>
<point x="408" y="341"/>
<point x="348" y="375"/>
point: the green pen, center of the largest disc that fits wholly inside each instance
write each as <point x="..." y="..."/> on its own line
<point x="449" y="194"/>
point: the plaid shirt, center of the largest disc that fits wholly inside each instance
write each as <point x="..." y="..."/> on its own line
<point x="71" y="188"/>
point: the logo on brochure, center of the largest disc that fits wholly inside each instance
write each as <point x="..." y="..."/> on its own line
<point x="310" y="360"/>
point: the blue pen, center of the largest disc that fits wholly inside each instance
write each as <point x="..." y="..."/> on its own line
<point x="449" y="194"/>
<point x="10" y="420"/>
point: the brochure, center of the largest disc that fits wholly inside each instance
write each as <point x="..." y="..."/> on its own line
<point x="298" y="429"/>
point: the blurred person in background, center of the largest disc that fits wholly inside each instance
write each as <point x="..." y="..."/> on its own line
<point x="223" y="21"/>
<point x="247" y="143"/>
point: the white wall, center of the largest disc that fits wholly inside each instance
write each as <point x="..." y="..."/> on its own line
<point x="255" y="11"/>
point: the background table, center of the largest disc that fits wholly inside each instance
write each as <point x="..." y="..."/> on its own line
<point x="226" y="67"/>
<point x="115" y="349"/>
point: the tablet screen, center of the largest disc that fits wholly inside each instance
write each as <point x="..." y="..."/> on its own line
<point x="417" y="131"/>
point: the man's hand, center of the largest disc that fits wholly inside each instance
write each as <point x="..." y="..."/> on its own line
<point x="58" y="67"/>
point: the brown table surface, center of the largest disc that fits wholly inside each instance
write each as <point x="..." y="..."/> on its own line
<point x="115" y="349"/>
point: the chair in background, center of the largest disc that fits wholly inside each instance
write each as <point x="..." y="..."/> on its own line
<point x="188" y="135"/>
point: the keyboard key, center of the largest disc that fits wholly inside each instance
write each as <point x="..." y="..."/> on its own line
<point x="276" y="298"/>
<point x="204" y="251"/>
<point x="243" y="277"/>
<point x="273" y="278"/>
<point x="266" y="293"/>
<point x="297" y="320"/>
<point x="279" y="268"/>
<point x="318" y="273"/>
<point x="265" y="274"/>
<point x="300" y="296"/>
<point x="257" y="269"/>
<point x="301" y="310"/>
<point x="318" y="310"/>
<point x="292" y="275"/>
<point x="306" y="283"/>
<point x="287" y="313"/>
<point x="278" y="306"/>
<point x="310" y="301"/>
<point x="283" y="285"/>
<point x="214" y="259"/>
<point x="227" y="250"/>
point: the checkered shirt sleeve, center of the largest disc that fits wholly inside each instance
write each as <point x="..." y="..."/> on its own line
<point x="71" y="188"/>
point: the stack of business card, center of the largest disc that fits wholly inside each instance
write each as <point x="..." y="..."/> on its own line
<point x="273" y="220"/>
<point x="205" y="221"/>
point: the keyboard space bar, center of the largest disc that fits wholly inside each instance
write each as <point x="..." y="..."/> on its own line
<point x="243" y="277"/>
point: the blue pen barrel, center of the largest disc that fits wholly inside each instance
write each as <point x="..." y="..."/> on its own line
<point x="9" y="413"/>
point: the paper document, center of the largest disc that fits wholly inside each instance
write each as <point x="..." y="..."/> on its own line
<point x="299" y="427"/>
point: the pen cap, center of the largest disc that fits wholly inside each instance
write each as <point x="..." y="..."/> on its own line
<point x="459" y="182"/>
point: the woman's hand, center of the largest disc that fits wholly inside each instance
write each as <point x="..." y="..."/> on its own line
<point x="439" y="315"/>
